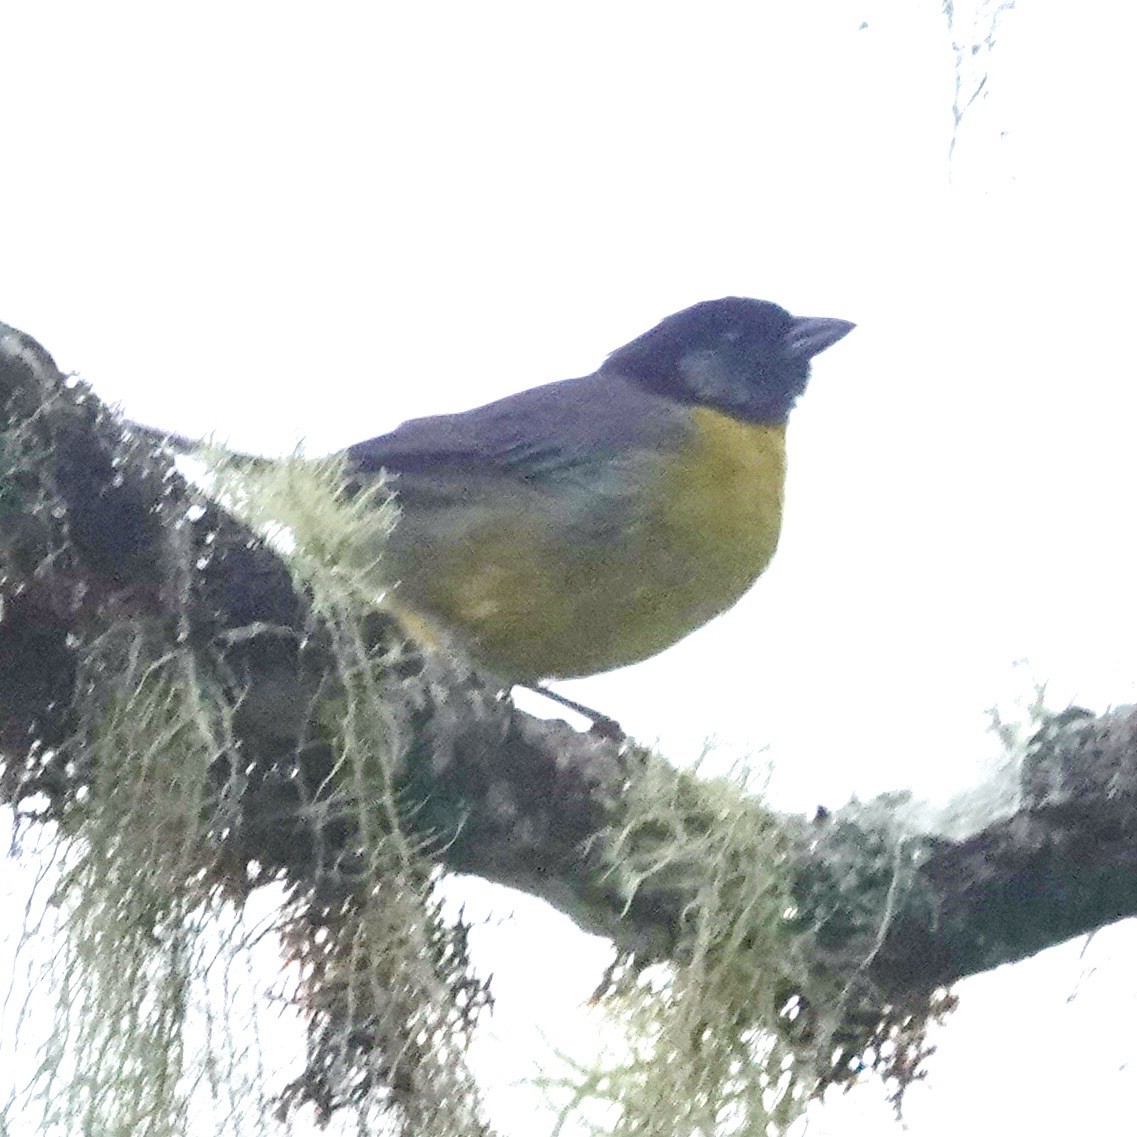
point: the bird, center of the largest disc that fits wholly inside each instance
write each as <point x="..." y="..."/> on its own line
<point x="590" y="523"/>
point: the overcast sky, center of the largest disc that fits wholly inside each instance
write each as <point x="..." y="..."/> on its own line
<point x="280" y="222"/>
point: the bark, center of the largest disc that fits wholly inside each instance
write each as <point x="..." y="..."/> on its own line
<point x="98" y="531"/>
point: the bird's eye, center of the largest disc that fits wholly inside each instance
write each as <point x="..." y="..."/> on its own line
<point x="732" y="336"/>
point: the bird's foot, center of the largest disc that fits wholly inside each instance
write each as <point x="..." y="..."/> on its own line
<point x="603" y="726"/>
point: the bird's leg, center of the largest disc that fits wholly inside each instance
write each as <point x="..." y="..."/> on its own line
<point x="601" y="724"/>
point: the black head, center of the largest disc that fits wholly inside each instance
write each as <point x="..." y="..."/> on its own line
<point x="746" y="357"/>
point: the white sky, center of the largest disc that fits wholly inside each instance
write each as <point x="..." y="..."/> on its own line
<point x="284" y="221"/>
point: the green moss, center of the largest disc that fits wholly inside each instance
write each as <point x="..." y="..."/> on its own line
<point x="151" y="900"/>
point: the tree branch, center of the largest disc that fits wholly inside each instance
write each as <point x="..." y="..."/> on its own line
<point x="98" y="530"/>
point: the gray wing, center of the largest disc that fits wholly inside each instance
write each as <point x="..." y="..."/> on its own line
<point x="579" y="431"/>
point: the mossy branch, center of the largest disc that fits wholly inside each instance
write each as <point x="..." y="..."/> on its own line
<point x="309" y="745"/>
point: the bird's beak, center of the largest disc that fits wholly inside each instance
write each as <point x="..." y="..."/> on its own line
<point x="811" y="335"/>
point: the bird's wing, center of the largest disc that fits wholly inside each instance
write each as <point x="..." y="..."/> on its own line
<point x="579" y="430"/>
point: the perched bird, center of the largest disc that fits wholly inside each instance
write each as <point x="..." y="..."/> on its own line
<point x="590" y="523"/>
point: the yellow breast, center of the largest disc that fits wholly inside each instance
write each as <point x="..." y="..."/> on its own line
<point x="720" y="517"/>
<point x="532" y="597"/>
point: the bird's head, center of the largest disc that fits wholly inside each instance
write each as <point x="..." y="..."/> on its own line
<point x="747" y="358"/>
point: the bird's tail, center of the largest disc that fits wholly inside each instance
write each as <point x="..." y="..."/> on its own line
<point x="215" y="452"/>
